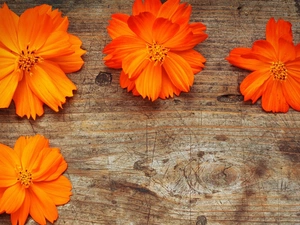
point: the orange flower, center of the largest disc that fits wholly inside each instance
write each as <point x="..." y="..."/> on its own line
<point x="35" y="53"/>
<point x="154" y="48"/>
<point x="276" y="65"/>
<point x="31" y="180"/>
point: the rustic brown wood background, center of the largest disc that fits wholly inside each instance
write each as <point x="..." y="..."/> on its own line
<point x="205" y="157"/>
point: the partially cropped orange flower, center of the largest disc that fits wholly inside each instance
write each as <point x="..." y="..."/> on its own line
<point x="276" y="65"/>
<point x="154" y="48"/>
<point x="31" y="180"/>
<point x="35" y="53"/>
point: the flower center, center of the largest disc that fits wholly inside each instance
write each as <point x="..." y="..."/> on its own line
<point x="157" y="53"/>
<point x="24" y="177"/>
<point x="279" y="71"/>
<point x="27" y="59"/>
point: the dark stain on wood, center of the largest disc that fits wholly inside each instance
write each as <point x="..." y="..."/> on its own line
<point x="103" y="79"/>
<point x="123" y="186"/>
<point x="261" y="169"/>
<point x="165" y="160"/>
<point x="297" y="4"/>
<point x="200" y="154"/>
<point x="230" y="98"/>
<point x="291" y="149"/>
<point x="177" y="101"/>
<point x="221" y="137"/>
<point x="139" y="165"/>
<point x="249" y="192"/>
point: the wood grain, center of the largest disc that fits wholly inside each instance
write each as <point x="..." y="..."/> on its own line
<point x="205" y="157"/>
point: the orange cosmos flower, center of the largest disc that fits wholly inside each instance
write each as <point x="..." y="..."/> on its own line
<point x="31" y="180"/>
<point x="154" y="48"/>
<point x="276" y="65"/>
<point x="35" y="53"/>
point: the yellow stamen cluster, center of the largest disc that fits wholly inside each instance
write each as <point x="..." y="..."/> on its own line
<point x="25" y="177"/>
<point x="279" y="71"/>
<point x="157" y="53"/>
<point x="27" y="59"/>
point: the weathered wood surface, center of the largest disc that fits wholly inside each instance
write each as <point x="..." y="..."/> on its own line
<point x="205" y="157"/>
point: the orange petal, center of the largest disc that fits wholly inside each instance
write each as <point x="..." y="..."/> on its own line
<point x="273" y="98"/>
<point x="12" y="198"/>
<point x="180" y="41"/>
<point x="59" y="22"/>
<point x="125" y="82"/>
<point x="20" y="145"/>
<point x="42" y="205"/>
<point x="7" y="63"/>
<point x="164" y="30"/>
<point x="293" y="68"/>
<point x="276" y="30"/>
<point x="8" y="28"/>
<point x="251" y="87"/>
<point x="31" y="152"/>
<point x="291" y="91"/>
<point x="2" y="190"/>
<point x="63" y="84"/>
<point x="287" y="51"/>
<point x="8" y="85"/>
<point x="26" y="102"/>
<point x="58" y="190"/>
<point x="193" y="58"/>
<point x="142" y="25"/>
<point x="8" y="161"/>
<point x="56" y="45"/>
<point x="33" y="29"/>
<point x="179" y="71"/>
<point x="168" y="89"/>
<point x="168" y="9"/>
<point x="197" y="28"/>
<point x="148" y="83"/>
<point x="182" y="14"/>
<point x="121" y="47"/>
<point x="124" y="45"/>
<point x="51" y="166"/>
<point x="44" y="88"/>
<point x="20" y="216"/>
<point x="236" y="58"/>
<point x="138" y="7"/>
<point x="43" y="9"/>
<point x="297" y="48"/>
<point x="118" y="26"/>
<point x="264" y="51"/>
<point x="198" y="35"/>
<point x="152" y="6"/>
<point x="135" y="62"/>
<point x="71" y="62"/>
<point x="197" y="38"/>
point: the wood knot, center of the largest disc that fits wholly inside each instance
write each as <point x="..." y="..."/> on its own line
<point x="103" y="79"/>
<point x="201" y="220"/>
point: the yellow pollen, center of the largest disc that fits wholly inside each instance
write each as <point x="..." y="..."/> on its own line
<point x="24" y="177"/>
<point x="157" y="53"/>
<point x="279" y="71"/>
<point x="27" y="59"/>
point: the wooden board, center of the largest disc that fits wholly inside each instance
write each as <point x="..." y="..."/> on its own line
<point x="205" y="157"/>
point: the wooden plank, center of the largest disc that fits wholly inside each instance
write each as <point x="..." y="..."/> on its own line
<point x="205" y="157"/>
